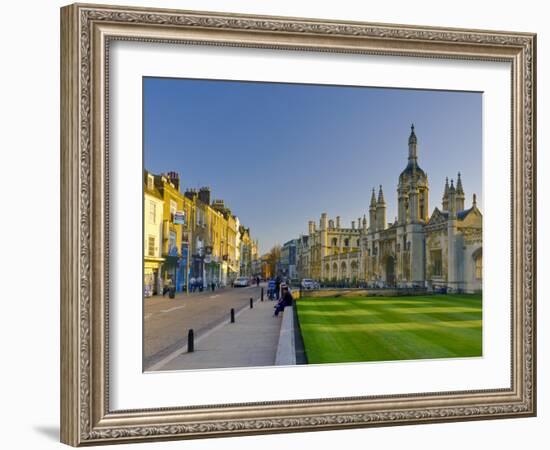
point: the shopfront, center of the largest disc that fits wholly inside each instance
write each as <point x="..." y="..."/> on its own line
<point x="152" y="283"/>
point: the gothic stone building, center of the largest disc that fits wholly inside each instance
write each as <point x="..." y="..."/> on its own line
<point x="443" y="250"/>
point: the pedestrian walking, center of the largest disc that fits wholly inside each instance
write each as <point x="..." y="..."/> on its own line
<point x="200" y="284"/>
<point x="257" y="281"/>
<point x="169" y="288"/>
<point x="166" y="287"/>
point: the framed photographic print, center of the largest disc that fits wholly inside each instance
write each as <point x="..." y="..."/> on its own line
<point x="276" y="224"/>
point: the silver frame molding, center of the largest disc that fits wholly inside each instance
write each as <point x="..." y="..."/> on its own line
<point x="86" y="32"/>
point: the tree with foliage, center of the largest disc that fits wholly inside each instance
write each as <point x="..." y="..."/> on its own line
<point x="273" y="257"/>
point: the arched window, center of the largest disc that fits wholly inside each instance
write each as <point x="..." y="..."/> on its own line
<point x="344" y="270"/>
<point x="358" y="242"/>
<point x="479" y="267"/>
<point x="334" y="242"/>
<point x="346" y="242"/>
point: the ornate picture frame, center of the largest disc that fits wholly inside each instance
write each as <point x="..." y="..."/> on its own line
<point x="87" y="32"/>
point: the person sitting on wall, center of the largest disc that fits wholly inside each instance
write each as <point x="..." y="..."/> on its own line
<point x="286" y="300"/>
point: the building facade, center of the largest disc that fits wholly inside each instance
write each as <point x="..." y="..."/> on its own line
<point x="245" y="252"/>
<point x="438" y="251"/>
<point x="173" y="271"/>
<point x="153" y="260"/>
<point x="288" y="260"/>
<point x="229" y="252"/>
<point x="189" y="237"/>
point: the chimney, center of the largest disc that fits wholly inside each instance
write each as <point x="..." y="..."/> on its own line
<point x="353" y="224"/>
<point x="218" y="205"/>
<point x="204" y="195"/>
<point x="191" y="194"/>
<point x="338" y="222"/>
<point x="174" y="179"/>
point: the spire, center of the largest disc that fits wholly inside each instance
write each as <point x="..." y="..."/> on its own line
<point x="381" y="196"/>
<point x="459" y="194"/>
<point x="373" y="199"/>
<point x="459" y="189"/>
<point x="445" y="202"/>
<point x="412" y="145"/>
<point x="452" y="201"/>
<point x="373" y="221"/>
<point x="381" y="211"/>
<point x="412" y="137"/>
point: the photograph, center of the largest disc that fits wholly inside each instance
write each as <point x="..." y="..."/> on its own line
<point x="288" y="224"/>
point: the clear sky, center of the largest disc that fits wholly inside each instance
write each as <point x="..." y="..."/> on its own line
<point x="281" y="154"/>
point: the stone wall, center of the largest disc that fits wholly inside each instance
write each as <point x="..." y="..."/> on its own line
<point x="351" y="292"/>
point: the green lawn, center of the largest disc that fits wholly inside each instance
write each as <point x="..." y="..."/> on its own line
<point x="351" y="329"/>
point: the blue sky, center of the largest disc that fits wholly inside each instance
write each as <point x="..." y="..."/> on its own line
<point x="281" y="154"/>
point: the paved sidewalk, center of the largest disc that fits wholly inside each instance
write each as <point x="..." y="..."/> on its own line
<point x="249" y="342"/>
<point x="166" y="321"/>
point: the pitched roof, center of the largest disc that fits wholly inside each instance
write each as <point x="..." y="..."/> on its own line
<point x="461" y="215"/>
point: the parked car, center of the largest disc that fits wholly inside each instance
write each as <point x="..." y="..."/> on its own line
<point x="241" y="282"/>
<point x="308" y="283"/>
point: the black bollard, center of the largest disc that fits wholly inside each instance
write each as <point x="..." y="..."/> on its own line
<point x="251" y="303"/>
<point x="232" y="315"/>
<point x="262" y="295"/>
<point x="191" y="341"/>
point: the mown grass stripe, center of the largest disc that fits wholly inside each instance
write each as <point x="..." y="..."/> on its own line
<point x="350" y="329"/>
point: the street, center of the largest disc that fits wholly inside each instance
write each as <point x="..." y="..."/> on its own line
<point x="167" y="321"/>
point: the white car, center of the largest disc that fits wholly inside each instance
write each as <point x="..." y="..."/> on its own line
<point x="308" y="283"/>
<point x="241" y="282"/>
